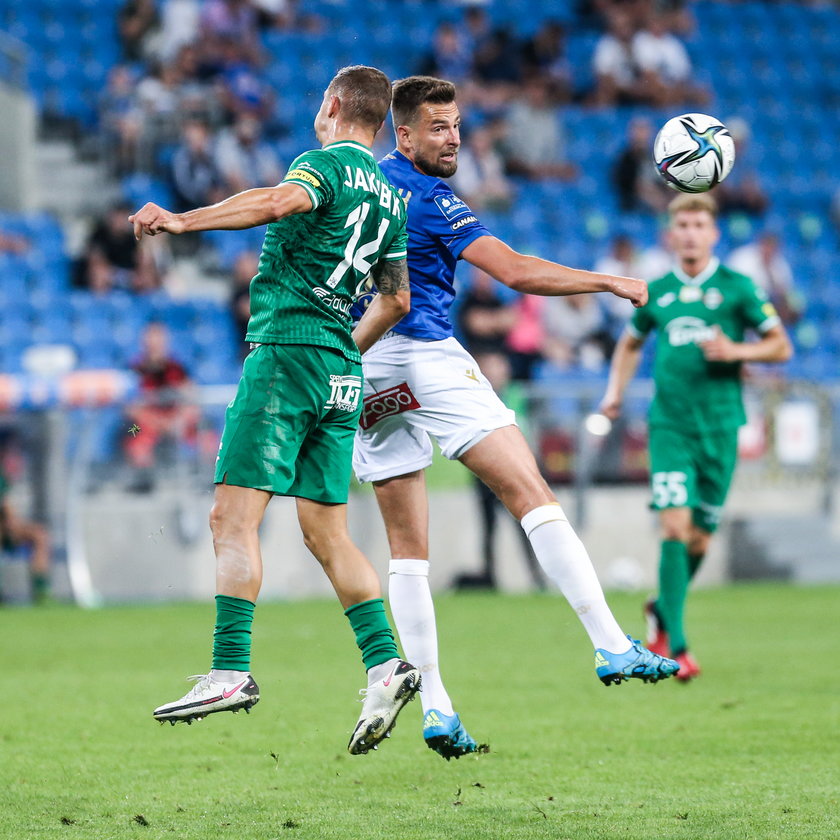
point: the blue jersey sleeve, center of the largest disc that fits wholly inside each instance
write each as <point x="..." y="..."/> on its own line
<point x="450" y="220"/>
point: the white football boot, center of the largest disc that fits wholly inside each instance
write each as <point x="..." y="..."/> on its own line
<point x="208" y="696"/>
<point x="381" y="704"/>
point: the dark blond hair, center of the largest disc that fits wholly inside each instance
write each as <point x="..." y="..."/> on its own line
<point x="693" y="204"/>
<point x="365" y="94"/>
<point x="411" y="93"/>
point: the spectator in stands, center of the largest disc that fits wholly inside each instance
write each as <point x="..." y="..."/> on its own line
<point x="138" y="22"/>
<point x="244" y="269"/>
<point x="624" y="260"/>
<point x="544" y="55"/>
<point x="11" y="243"/>
<point x="180" y="20"/>
<point x="618" y="78"/>
<point x="119" y="118"/>
<point x="535" y="143"/>
<point x="232" y="20"/>
<point x="19" y="532"/>
<point x="113" y="259"/>
<point x="576" y="332"/>
<point x="742" y="191"/>
<point x="665" y="65"/>
<point x="496" y="67"/>
<point x="485" y="321"/>
<point x="450" y="56"/>
<point x="764" y="262"/>
<point x="163" y="417"/>
<point x="196" y="179"/>
<point x="480" y="179"/>
<point x="526" y="339"/>
<point x="244" y="160"/>
<point x="637" y="184"/>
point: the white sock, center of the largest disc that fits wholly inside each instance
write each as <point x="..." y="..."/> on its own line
<point x="566" y="561"/>
<point x="221" y="676"/>
<point x="414" y="614"/>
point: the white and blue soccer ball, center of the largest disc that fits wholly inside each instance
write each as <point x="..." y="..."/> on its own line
<point x="693" y="152"/>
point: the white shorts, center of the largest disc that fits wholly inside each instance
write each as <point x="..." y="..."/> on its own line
<point x="417" y="390"/>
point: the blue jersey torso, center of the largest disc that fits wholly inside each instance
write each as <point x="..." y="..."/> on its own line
<point x="440" y="226"/>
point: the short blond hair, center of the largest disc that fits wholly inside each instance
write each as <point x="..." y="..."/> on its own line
<point x="693" y="203"/>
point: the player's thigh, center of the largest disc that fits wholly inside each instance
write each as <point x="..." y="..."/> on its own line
<point x="324" y="462"/>
<point x="717" y="458"/>
<point x="458" y="406"/>
<point x="505" y="463"/>
<point x="673" y="475"/>
<point x="276" y="405"/>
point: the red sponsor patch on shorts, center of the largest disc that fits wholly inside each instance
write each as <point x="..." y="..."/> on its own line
<point x="387" y="403"/>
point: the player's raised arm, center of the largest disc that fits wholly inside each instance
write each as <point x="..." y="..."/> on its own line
<point x="247" y="209"/>
<point x="388" y="306"/>
<point x="623" y="367"/>
<point x="536" y="276"/>
<point x="773" y="346"/>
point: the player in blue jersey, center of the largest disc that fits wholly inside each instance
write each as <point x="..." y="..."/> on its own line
<point x="420" y="383"/>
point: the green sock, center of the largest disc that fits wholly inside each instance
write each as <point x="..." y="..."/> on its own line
<point x="673" y="586"/>
<point x="232" y="636"/>
<point x="694" y="563"/>
<point x="40" y="586"/>
<point x="373" y="633"/>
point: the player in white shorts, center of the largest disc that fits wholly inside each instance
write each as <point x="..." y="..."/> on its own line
<point x="421" y="384"/>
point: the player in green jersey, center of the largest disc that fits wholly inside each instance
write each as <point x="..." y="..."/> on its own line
<point x="700" y="311"/>
<point x="332" y="221"/>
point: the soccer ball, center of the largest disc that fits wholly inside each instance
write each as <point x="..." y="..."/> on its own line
<point x="693" y="152"/>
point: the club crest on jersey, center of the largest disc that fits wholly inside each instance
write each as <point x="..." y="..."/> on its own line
<point x="688" y="330"/>
<point x="345" y="392"/>
<point x="690" y="294"/>
<point x="713" y="298"/>
<point x="451" y="206"/>
<point x="387" y="403"/>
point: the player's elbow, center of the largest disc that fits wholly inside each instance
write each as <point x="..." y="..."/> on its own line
<point x="399" y="304"/>
<point x="785" y="353"/>
<point x="512" y="272"/>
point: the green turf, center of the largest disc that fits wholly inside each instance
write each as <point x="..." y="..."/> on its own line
<point x="748" y="751"/>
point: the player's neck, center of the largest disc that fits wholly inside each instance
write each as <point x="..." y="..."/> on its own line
<point x="343" y="132"/>
<point x="694" y="267"/>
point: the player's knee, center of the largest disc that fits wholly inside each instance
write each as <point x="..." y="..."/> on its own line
<point x="675" y="531"/>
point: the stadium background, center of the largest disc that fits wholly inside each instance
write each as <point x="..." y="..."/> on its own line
<point x="63" y="414"/>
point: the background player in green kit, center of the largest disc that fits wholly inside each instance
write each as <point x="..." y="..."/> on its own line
<point x="700" y="312"/>
<point x="333" y="220"/>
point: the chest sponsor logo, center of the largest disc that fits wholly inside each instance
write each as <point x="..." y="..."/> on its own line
<point x="467" y="220"/>
<point x="690" y="294"/>
<point x="713" y="298"/>
<point x="345" y="392"/>
<point x="332" y="301"/>
<point x="387" y="403"/>
<point x="682" y="331"/>
<point x="451" y="206"/>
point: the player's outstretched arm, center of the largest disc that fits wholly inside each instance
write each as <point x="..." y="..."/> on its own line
<point x="773" y="346"/>
<point x="247" y="209"/>
<point x="535" y="276"/>
<point x="388" y="306"/>
<point x="623" y="367"/>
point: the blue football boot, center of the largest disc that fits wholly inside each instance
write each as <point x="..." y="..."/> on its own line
<point x="638" y="663"/>
<point x="446" y="735"/>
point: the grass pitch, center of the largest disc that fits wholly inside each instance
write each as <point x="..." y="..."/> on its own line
<point x="749" y="750"/>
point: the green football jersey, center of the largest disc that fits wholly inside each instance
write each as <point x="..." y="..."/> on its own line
<point x="313" y="264"/>
<point x="691" y="393"/>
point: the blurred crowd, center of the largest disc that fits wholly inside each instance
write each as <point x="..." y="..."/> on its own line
<point x="190" y="102"/>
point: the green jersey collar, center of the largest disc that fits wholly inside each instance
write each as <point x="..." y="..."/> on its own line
<point x="339" y="144"/>
<point x="702" y="277"/>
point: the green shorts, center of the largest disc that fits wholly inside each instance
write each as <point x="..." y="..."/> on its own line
<point x="290" y="427"/>
<point x="694" y="471"/>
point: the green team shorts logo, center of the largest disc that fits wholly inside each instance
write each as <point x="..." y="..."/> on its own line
<point x="345" y="392"/>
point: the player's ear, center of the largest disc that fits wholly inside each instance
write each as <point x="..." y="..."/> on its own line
<point x="334" y="107"/>
<point x="403" y="133"/>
